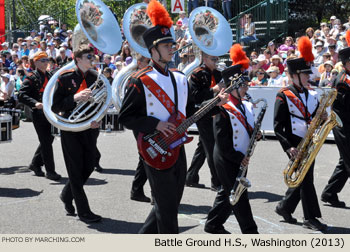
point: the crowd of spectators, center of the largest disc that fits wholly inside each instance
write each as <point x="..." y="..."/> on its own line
<point x="268" y="65"/>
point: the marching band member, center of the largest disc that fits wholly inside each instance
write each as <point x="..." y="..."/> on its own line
<point x="30" y="94"/>
<point x="233" y="127"/>
<point x="295" y="106"/>
<point x="341" y="106"/>
<point x="137" y="193"/>
<point x="204" y="84"/>
<point x="79" y="148"/>
<point x="142" y="111"/>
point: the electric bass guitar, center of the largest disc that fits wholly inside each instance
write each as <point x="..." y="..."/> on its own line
<point x="161" y="152"/>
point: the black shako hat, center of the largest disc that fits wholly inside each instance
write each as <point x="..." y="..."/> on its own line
<point x="344" y="54"/>
<point x="299" y="65"/>
<point x="233" y="72"/>
<point x="157" y="34"/>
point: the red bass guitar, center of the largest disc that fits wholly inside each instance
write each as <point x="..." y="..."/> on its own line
<point x="161" y="152"/>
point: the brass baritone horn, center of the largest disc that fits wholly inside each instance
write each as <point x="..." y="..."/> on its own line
<point x="309" y="147"/>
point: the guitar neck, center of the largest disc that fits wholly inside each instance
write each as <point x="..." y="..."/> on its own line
<point x="201" y="112"/>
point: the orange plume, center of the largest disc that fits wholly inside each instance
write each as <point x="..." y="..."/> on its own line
<point x="347" y="37"/>
<point x="305" y="49"/>
<point x="158" y="14"/>
<point x="238" y="56"/>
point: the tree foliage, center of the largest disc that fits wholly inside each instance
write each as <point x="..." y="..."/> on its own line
<point x="28" y="11"/>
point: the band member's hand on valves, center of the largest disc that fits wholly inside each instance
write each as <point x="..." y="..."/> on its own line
<point x="223" y="97"/>
<point x="94" y="125"/>
<point x="38" y="105"/>
<point x="83" y="95"/>
<point x="245" y="161"/>
<point x="293" y="152"/>
<point x="166" y="128"/>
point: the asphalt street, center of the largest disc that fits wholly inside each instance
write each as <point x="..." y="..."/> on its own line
<point x="30" y="204"/>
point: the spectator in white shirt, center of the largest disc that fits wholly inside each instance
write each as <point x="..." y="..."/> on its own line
<point x="318" y="52"/>
<point x="275" y="79"/>
<point x="51" y="50"/>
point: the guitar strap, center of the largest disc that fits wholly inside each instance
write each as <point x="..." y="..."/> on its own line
<point x="161" y="95"/>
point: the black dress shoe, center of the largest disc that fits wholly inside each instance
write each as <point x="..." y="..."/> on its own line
<point x="37" y="170"/>
<point x="53" y="176"/>
<point x="215" y="188"/>
<point x="333" y="201"/>
<point x="90" y="217"/>
<point x="286" y="216"/>
<point x="98" y="168"/>
<point x="314" y="224"/>
<point x="194" y="184"/>
<point x="68" y="206"/>
<point x="139" y="197"/>
<point x="216" y="230"/>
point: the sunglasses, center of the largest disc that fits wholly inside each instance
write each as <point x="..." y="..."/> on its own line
<point x="260" y="73"/>
<point x="89" y="56"/>
<point x="334" y="74"/>
<point x="44" y="60"/>
<point x="214" y="59"/>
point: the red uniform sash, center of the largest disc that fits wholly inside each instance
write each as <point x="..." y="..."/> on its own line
<point x="296" y="101"/>
<point x="345" y="79"/>
<point x="160" y="94"/>
<point x="83" y="86"/>
<point x="44" y="85"/>
<point x="239" y="116"/>
<point x="213" y="82"/>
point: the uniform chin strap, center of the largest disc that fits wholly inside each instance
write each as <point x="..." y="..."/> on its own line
<point x="300" y="83"/>
<point x="160" y="56"/>
<point x="238" y="94"/>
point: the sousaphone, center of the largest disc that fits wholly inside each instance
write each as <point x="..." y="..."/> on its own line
<point x="210" y="32"/>
<point x="97" y="25"/>
<point x="135" y="23"/>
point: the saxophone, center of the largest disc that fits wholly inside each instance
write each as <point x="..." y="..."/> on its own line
<point x="308" y="148"/>
<point x="242" y="183"/>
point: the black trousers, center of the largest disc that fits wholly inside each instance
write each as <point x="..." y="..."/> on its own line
<point x="342" y="170"/>
<point x="222" y="207"/>
<point x="44" y="153"/>
<point x="140" y="178"/>
<point x="197" y="162"/>
<point x="98" y="153"/>
<point x="167" y="188"/>
<point x="79" y="151"/>
<point x="206" y="145"/>
<point x="306" y="193"/>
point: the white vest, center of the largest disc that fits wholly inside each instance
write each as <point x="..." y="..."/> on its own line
<point x="240" y="135"/>
<point x="154" y="107"/>
<point x="299" y="126"/>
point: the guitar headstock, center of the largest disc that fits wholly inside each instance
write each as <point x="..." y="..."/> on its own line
<point x="235" y="83"/>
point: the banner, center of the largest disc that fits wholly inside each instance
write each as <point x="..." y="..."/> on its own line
<point x="177" y="6"/>
<point x="2" y="20"/>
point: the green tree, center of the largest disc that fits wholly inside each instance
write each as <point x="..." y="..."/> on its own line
<point x="28" y="12"/>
